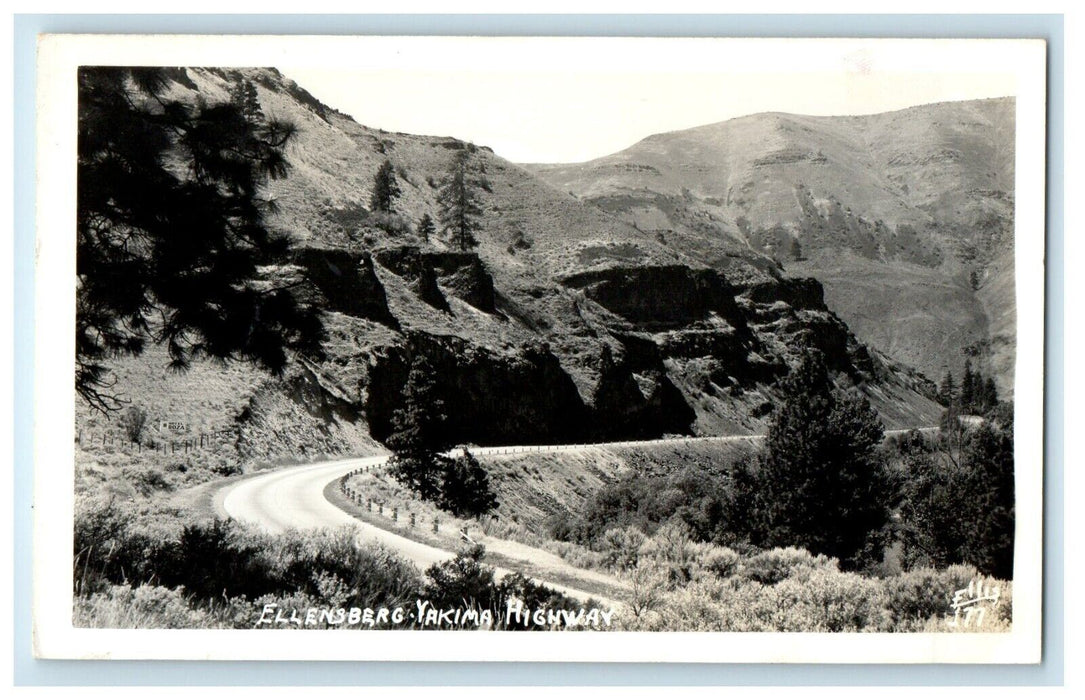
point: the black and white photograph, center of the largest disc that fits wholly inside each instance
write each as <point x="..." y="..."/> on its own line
<point x="597" y="341"/>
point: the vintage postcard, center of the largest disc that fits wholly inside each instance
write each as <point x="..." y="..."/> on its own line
<point x="539" y="349"/>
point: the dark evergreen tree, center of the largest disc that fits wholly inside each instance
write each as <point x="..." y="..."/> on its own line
<point x="822" y="482"/>
<point x="794" y="249"/>
<point x="385" y="188"/>
<point x="947" y="390"/>
<point x="958" y="502"/>
<point x="465" y="487"/>
<point x="968" y="388"/>
<point x="459" y="208"/>
<point x="426" y="228"/>
<point x="990" y="394"/>
<point x="418" y="433"/>
<point x="243" y="95"/>
<point x="989" y="508"/>
<point x="171" y="234"/>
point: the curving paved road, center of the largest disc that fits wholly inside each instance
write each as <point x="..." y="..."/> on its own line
<point x="293" y="498"/>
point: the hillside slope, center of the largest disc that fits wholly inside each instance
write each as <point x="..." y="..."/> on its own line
<point x="565" y="324"/>
<point x="906" y="217"/>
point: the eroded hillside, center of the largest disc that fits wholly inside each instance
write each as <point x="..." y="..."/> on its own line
<point x="906" y="217"/>
<point x="566" y="323"/>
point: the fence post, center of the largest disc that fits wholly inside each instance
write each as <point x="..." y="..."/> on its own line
<point x="412" y="519"/>
<point x="435" y="524"/>
<point x="395" y="514"/>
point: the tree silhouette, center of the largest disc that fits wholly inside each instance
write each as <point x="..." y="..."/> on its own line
<point x="947" y="389"/>
<point x="418" y="432"/>
<point x="426" y="227"/>
<point x="465" y="487"/>
<point x="385" y="188"/>
<point x="821" y="483"/>
<point x="968" y="387"/>
<point x="172" y="245"/>
<point x="459" y="208"/>
<point x="243" y="95"/>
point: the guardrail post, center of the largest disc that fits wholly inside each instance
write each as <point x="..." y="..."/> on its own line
<point x="436" y="524"/>
<point x="412" y="519"/>
<point x="395" y="514"/>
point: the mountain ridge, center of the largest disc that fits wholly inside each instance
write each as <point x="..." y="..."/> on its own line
<point x="917" y="197"/>
<point x="566" y="323"/>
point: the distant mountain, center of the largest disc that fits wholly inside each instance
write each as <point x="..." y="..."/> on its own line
<point x="566" y="323"/>
<point x="906" y="217"/>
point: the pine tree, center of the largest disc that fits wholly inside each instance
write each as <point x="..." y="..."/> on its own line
<point x="426" y="227"/>
<point x="459" y="208"/>
<point x="947" y="390"/>
<point x="243" y="95"/>
<point x="822" y="483"/>
<point x="794" y="249"/>
<point x="990" y="394"/>
<point x="171" y="234"/>
<point x="385" y="188"/>
<point x="418" y="432"/>
<point x="465" y="487"/>
<point x="968" y="388"/>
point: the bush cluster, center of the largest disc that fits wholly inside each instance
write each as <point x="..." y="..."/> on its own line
<point x="221" y="560"/>
<point x="683" y="585"/>
<point x="152" y="570"/>
<point x="694" y="495"/>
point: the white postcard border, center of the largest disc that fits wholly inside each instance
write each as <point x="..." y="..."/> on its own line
<point x="54" y="636"/>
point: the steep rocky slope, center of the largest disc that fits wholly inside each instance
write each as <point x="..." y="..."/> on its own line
<point x="906" y="217"/>
<point x="565" y="324"/>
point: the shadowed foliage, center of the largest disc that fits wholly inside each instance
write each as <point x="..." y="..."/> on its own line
<point x="172" y="245"/>
<point x="822" y="483"/>
<point x="460" y="210"/>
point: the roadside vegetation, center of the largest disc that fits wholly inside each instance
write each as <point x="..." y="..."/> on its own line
<point x="885" y="530"/>
<point x="154" y="567"/>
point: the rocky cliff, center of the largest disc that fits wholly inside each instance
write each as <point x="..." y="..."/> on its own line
<point x="566" y="323"/>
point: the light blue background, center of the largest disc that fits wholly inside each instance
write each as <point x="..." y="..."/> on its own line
<point x="29" y="671"/>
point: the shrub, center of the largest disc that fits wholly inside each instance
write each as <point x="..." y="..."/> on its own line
<point x="830" y="601"/>
<point x="146" y="607"/>
<point x="134" y="420"/>
<point x="389" y="222"/>
<point x="915" y="598"/>
<point x="776" y="565"/>
<point x="466" y="583"/>
<point x="719" y="561"/>
<point x="220" y="560"/>
<point x="694" y="495"/>
<point x="621" y="546"/>
<point x="463" y="581"/>
<point x="671" y="550"/>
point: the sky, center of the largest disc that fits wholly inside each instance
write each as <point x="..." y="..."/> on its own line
<point x="567" y="100"/>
